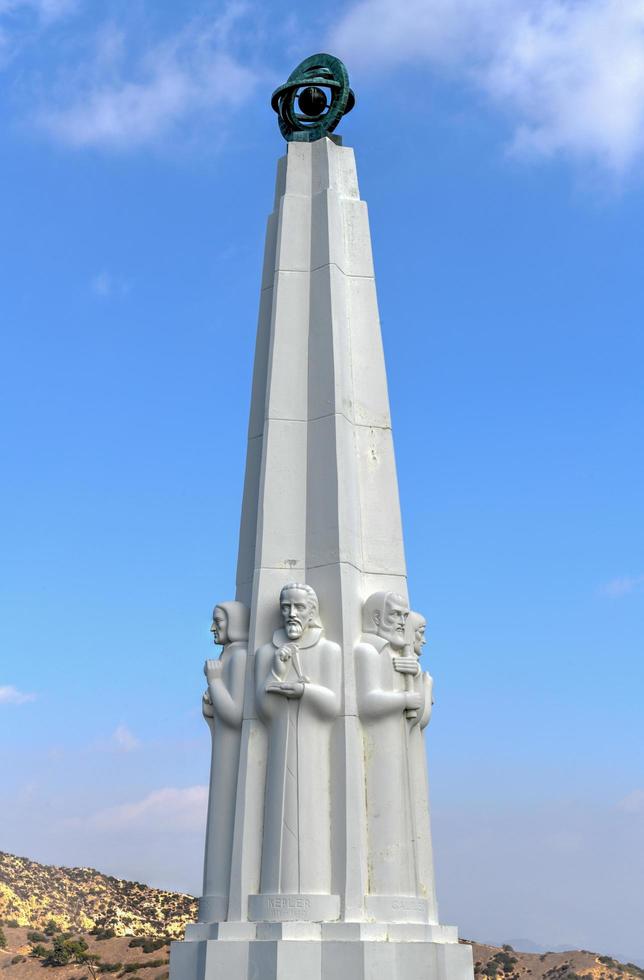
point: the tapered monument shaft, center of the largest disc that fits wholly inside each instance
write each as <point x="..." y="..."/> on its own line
<point x="321" y="495"/>
<point x="321" y="489"/>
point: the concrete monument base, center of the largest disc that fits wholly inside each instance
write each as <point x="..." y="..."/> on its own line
<point x="400" y="951"/>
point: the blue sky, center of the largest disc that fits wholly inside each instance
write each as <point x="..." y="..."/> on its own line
<point x="500" y="146"/>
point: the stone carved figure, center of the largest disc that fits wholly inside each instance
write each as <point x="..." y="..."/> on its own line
<point x="388" y="705"/>
<point x="222" y="708"/>
<point x="416" y="627"/>
<point x="297" y="687"/>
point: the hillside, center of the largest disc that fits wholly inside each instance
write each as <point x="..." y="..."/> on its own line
<point x="82" y="899"/>
<point x="493" y="963"/>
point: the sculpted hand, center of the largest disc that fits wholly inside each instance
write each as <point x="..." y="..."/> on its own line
<point x="282" y="661"/>
<point x="413" y="701"/>
<point x="407" y="665"/>
<point x="207" y="706"/>
<point x="212" y="669"/>
<point x="295" y="690"/>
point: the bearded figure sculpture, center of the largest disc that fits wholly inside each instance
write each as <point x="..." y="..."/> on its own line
<point x="222" y="707"/>
<point x="297" y="690"/>
<point x="390" y="703"/>
<point x="416" y="634"/>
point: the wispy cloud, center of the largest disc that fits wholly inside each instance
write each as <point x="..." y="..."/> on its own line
<point x="633" y="803"/>
<point x="569" y="75"/>
<point x="625" y="585"/>
<point x="11" y="695"/>
<point x="106" y="285"/>
<point x="124" y="739"/>
<point x="122" y="99"/>
<point x="46" y="10"/>
<point x="22" y="21"/>
<point x="171" y="808"/>
<point x="102" y="284"/>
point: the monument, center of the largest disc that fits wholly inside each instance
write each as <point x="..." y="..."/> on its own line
<point x="318" y="861"/>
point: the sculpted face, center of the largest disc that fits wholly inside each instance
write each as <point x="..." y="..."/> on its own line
<point x="297" y="612"/>
<point x="219" y="628"/>
<point x="391" y="624"/>
<point x="419" y="638"/>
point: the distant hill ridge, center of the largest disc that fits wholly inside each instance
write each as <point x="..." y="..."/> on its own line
<point x="83" y="899"/>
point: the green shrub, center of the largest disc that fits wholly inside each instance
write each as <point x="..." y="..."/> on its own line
<point x="147" y="943"/>
<point x="52" y="928"/>
<point x="60" y="954"/>
<point x="101" y="932"/>
<point x="504" y="960"/>
<point x="133" y="967"/>
<point x="3" y="939"/>
<point x="66" y="951"/>
<point x="36" y="937"/>
<point x="38" y="951"/>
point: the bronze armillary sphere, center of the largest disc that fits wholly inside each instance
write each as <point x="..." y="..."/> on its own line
<point x="319" y="87"/>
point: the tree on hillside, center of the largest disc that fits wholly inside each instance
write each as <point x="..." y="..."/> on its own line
<point x="67" y="951"/>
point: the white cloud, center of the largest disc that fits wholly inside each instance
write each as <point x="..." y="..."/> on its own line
<point x="11" y="695"/>
<point x="102" y="284"/>
<point x="105" y="285"/>
<point x="569" y="74"/>
<point x="124" y="739"/>
<point x="53" y="9"/>
<point x="633" y="803"/>
<point x="170" y="808"/>
<point x="46" y="10"/>
<point x="625" y="585"/>
<point x="22" y="21"/>
<point x="125" y="102"/>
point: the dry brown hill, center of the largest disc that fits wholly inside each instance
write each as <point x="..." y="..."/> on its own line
<point x="82" y="899"/>
<point x="109" y="957"/>
<point x="109" y="917"/>
<point x="494" y="963"/>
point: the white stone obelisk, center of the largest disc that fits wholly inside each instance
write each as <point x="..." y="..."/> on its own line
<point x="330" y="862"/>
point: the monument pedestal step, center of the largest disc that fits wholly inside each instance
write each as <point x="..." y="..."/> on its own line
<point x="312" y="931"/>
<point x="322" y="959"/>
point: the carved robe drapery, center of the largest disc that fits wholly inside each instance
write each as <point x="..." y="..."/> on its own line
<point x="223" y="706"/>
<point x="391" y="809"/>
<point x="296" y="851"/>
<point x="420" y="798"/>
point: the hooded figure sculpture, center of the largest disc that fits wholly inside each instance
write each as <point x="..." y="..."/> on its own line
<point x="222" y="708"/>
